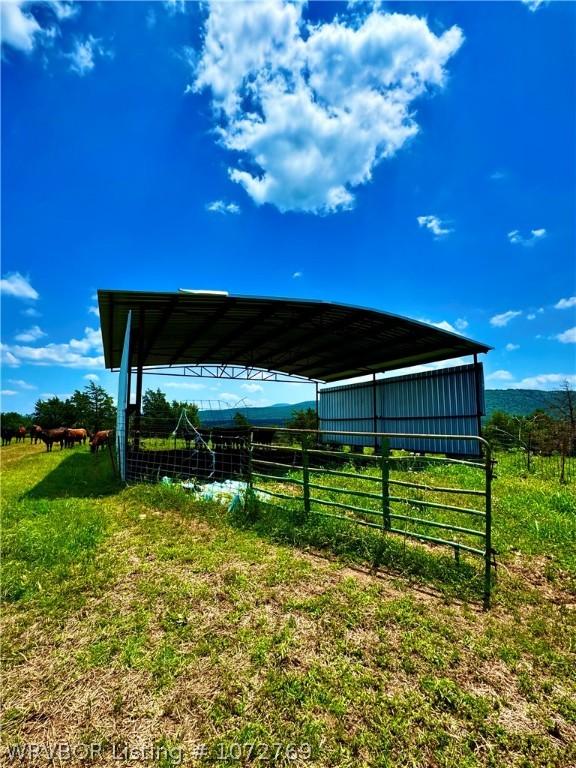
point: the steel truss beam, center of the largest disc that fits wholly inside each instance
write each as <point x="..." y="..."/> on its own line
<point x="226" y="372"/>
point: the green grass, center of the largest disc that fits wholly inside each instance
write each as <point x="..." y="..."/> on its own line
<point x="137" y="615"/>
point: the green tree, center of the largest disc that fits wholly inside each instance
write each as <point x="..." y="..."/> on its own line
<point x="155" y="407"/>
<point x="306" y="419"/>
<point x="192" y="412"/>
<point x="54" y="412"/>
<point x="13" y="420"/>
<point x="240" y="420"/>
<point x="101" y="409"/>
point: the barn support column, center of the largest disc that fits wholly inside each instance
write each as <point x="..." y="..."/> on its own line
<point x="374" y="413"/>
<point x="139" y="374"/>
<point x="128" y="396"/>
<point x="478" y="383"/>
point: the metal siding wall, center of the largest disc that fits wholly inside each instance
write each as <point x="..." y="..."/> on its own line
<point x="435" y="402"/>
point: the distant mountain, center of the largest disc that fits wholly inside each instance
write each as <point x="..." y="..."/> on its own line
<point x="517" y="402"/>
<point x="272" y="415"/>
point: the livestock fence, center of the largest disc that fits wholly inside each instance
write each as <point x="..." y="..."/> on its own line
<point x="435" y="500"/>
<point x="541" y="448"/>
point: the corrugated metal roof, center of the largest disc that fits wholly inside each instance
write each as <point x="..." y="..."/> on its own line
<point x="313" y="339"/>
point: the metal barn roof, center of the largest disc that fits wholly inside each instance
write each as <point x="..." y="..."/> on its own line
<point x="317" y="340"/>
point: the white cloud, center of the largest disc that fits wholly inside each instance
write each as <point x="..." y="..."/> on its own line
<point x="250" y="387"/>
<point x="444" y="325"/>
<point x="184" y="385"/>
<point x="77" y="353"/>
<point x="566" y="303"/>
<point x="500" y="375"/>
<point x="94" y="310"/>
<point x="50" y="395"/>
<point x="435" y="225"/>
<point x="545" y="381"/>
<point x="296" y="275"/>
<point x="21" y="384"/>
<point x="31" y="312"/>
<point x="567" y="337"/>
<point x="16" y="284"/>
<point x="84" y="54"/>
<point x="531" y="316"/>
<point x="314" y="108"/>
<point x="232" y="400"/>
<point x="8" y="392"/>
<point x="535" y="235"/>
<point x="511" y="347"/>
<point x="498" y="175"/>
<point x="533" y="5"/>
<point x="7" y="357"/>
<point x="23" y="31"/>
<point x="64" y="10"/>
<point x="501" y="320"/>
<point x="17" y="26"/>
<point x="32" y="334"/>
<point x="219" y="206"/>
<point x="91" y="377"/>
<point x="175" y="6"/>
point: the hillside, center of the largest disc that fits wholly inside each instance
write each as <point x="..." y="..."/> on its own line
<point x="517" y="402"/>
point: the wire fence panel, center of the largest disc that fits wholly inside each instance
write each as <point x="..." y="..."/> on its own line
<point x="439" y="501"/>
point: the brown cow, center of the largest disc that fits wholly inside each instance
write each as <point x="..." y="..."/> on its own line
<point x="100" y="439"/>
<point x="35" y="430"/>
<point x="74" y="436"/>
<point x="21" y="435"/>
<point x="51" y="436"/>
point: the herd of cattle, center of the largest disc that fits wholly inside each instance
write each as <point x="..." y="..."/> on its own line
<point x="66" y="437"/>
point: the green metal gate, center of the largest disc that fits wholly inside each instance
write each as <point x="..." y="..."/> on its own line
<point x="297" y="466"/>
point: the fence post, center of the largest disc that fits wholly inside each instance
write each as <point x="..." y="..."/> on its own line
<point x="385" y="466"/>
<point x="250" y="442"/>
<point x="305" y="478"/>
<point x="488" y="539"/>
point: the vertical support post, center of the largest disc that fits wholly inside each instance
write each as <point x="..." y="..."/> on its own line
<point x="478" y="396"/>
<point x="305" y="479"/>
<point x="385" y="467"/>
<point x="250" y="449"/>
<point x="139" y="373"/>
<point x="317" y="415"/>
<point x="374" y="413"/>
<point x="128" y="411"/>
<point x="488" y="531"/>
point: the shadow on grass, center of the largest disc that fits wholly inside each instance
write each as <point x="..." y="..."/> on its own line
<point x="80" y="475"/>
<point x="428" y="565"/>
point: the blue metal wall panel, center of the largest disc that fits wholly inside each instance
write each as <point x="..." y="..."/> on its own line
<point x="433" y="402"/>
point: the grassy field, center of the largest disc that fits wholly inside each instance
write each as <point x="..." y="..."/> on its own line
<point x="139" y="618"/>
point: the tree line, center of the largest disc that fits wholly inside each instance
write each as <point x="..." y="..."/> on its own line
<point x="546" y="431"/>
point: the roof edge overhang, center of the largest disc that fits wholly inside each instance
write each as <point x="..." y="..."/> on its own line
<point x="328" y="345"/>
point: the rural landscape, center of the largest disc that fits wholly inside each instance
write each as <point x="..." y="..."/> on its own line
<point x="288" y="384"/>
<point x="144" y="616"/>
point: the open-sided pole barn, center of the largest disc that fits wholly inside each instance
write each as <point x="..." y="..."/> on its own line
<point x="210" y="334"/>
<point x="213" y="334"/>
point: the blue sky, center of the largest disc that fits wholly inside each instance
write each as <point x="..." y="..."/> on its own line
<point x="417" y="158"/>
